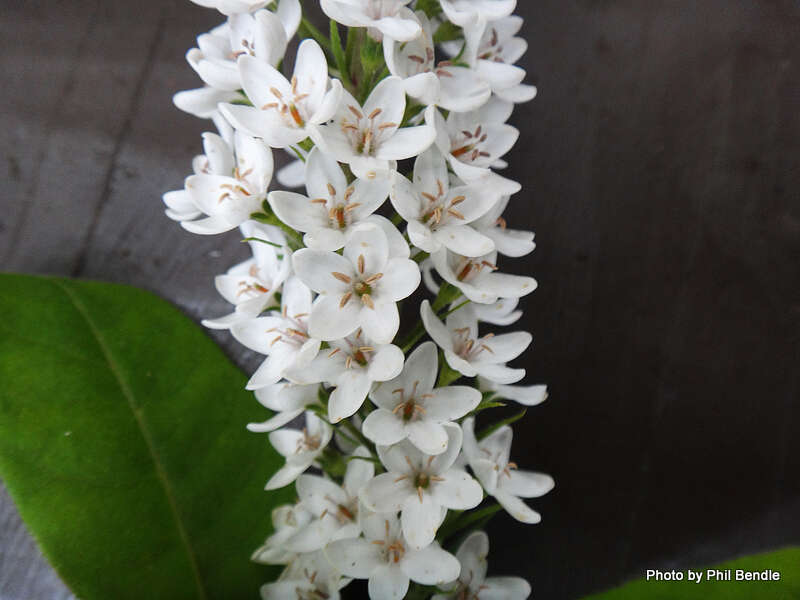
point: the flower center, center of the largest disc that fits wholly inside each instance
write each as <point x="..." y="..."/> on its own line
<point x="467" y="347"/>
<point x="289" y="109"/>
<point x="366" y="131"/>
<point x="467" y="146"/>
<point x="411" y="408"/>
<point x="439" y="208"/>
<point x="308" y="443"/>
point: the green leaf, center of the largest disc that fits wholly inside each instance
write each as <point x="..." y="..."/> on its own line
<point x="786" y="562"/>
<point x="122" y="442"/>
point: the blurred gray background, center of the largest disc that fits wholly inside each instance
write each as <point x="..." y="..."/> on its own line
<point x="660" y="172"/>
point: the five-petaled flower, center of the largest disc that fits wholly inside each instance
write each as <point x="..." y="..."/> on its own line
<point x="357" y="289"/>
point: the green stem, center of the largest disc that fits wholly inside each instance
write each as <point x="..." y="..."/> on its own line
<point x="308" y="30"/>
<point x="467" y="519"/>
<point x="294" y="240"/>
<point x="358" y="435"/>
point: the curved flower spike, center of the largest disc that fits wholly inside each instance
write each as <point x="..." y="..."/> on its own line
<point x="370" y="138"/>
<point x="358" y="289"/>
<point x="333" y="207"/>
<point x="301" y="449"/>
<point x="389" y="562"/>
<point x="419" y="486"/>
<point x="285" y="111"/>
<point x="471" y="355"/>
<point x="381" y="17"/>
<point x="473" y="584"/>
<point x="489" y="460"/>
<point x="410" y="407"/>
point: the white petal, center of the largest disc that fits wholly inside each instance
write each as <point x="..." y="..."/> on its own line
<point x="351" y="390"/>
<point x="357" y="558"/>
<point x="431" y="566"/>
<point x="315" y="268"/>
<point x="428" y="436"/>
<point x="383" y="427"/>
<point x="505" y="588"/>
<point x="444" y="461"/>
<point x="499" y="373"/>
<point x="388" y="96"/>
<point x="386" y="363"/>
<point x="388" y="582"/>
<point x="369" y="241"/>
<point x="420" y="518"/>
<point x="472" y="555"/>
<point x="286" y="475"/>
<point x="311" y="71"/>
<point x="317" y="493"/>
<point x="527" y="484"/>
<point x="530" y="395"/>
<point x="406" y="143"/>
<point x="380" y="323"/>
<point x="458" y="491"/>
<point x="359" y="472"/>
<point x="464" y="240"/>
<point x="517" y="508"/>
<point x="401" y="277"/>
<point x="203" y="102"/>
<point x="508" y="346"/>
<point x="384" y="494"/>
<point x="297" y="211"/>
<point x="451" y="403"/>
<point x="276" y="422"/>
<point x="435" y="327"/>
<point x="331" y="321"/>
<point x="324" y="239"/>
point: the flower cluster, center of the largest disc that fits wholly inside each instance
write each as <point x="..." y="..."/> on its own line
<point x="396" y="125"/>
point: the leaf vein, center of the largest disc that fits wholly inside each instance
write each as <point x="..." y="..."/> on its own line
<point x="135" y="409"/>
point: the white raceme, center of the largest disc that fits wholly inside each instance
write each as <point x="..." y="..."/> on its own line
<point x="408" y="101"/>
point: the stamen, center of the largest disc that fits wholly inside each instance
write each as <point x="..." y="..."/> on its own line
<point x="345" y="299"/>
<point x="367" y="299"/>
<point x="341" y="277"/>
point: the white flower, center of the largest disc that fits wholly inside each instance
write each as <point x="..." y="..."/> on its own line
<point x="332" y="207"/>
<point x="287" y="520"/>
<point x="437" y="214"/>
<point x="287" y="400"/>
<point x="235" y="186"/>
<point x="251" y="285"/>
<point x="263" y="35"/>
<point x="478" y="279"/>
<point x="381" y="17"/>
<point x="473" y="584"/>
<point x="285" y="111"/>
<point x="385" y="558"/>
<point x="308" y="577"/>
<point x="464" y="12"/>
<point x="335" y="508"/>
<point x="508" y="242"/>
<point x="471" y="355"/>
<point x="410" y="407"/>
<point x="352" y="366"/>
<point x="359" y="288"/>
<point x="301" y="449"/>
<point x="421" y="486"/>
<point x="476" y="141"/>
<point x="370" y="138"/>
<point x="203" y="102"/>
<point x="489" y="460"/>
<point x="494" y="55"/>
<point x="283" y="337"/>
<point x="527" y="395"/>
<point x="453" y="87"/>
